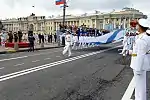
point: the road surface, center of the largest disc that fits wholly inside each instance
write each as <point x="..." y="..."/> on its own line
<point x="91" y="74"/>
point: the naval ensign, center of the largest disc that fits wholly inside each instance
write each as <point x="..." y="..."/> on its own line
<point x="140" y="62"/>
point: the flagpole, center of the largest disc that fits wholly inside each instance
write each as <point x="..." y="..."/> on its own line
<point x="64" y="14"/>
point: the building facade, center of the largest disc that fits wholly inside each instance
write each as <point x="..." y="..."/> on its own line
<point x="98" y="20"/>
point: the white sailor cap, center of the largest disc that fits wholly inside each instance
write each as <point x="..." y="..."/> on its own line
<point x="68" y="31"/>
<point x="148" y="31"/>
<point x="144" y="22"/>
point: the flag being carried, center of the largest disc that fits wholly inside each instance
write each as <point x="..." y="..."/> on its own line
<point x="60" y="2"/>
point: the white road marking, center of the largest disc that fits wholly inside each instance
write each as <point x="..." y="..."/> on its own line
<point x="47" y="58"/>
<point x="2" y="68"/>
<point x="19" y="64"/>
<point x="35" y="61"/>
<point x="129" y="91"/>
<point x="34" y="69"/>
<point x="120" y="49"/>
<point x="3" y="54"/>
<point x="13" y="58"/>
<point x="1" y="60"/>
<point x="58" y="56"/>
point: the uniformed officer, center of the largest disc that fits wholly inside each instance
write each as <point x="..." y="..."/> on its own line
<point x="140" y="62"/>
<point x="68" y="43"/>
<point x="129" y="38"/>
<point x="31" y="39"/>
<point x="75" y="41"/>
<point x="125" y="44"/>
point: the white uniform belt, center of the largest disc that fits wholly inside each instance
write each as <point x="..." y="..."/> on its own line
<point x="134" y="55"/>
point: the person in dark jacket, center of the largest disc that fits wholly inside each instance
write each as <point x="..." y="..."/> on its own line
<point x="42" y="38"/>
<point x="55" y="37"/>
<point x="15" y="37"/>
<point x="31" y="42"/>
<point x="20" y="36"/>
<point x="39" y="36"/>
<point x="50" y="38"/>
<point x="10" y="34"/>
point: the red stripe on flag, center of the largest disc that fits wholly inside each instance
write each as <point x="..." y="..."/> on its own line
<point x="59" y="2"/>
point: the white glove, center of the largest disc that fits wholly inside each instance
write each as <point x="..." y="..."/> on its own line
<point x="130" y="52"/>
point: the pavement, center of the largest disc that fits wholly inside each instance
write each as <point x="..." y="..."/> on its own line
<point x="37" y="47"/>
<point x="98" y="73"/>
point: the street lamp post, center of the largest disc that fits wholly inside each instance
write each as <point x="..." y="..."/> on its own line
<point x="63" y="26"/>
<point x="64" y="14"/>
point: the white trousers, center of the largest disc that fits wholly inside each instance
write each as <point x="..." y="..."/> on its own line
<point x="3" y="42"/>
<point x="140" y="85"/>
<point x="75" y="46"/>
<point x="67" y="48"/>
<point x="125" y="48"/>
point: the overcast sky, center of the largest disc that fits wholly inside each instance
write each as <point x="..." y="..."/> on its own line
<point x="19" y="8"/>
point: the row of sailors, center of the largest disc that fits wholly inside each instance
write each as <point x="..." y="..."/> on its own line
<point x="83" y="42"/>
<point x="72" y="42"/>
<point x="80" y="42"/>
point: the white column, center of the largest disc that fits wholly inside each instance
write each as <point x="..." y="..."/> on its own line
<point x="104" y="21"/>
<point x="129" y="21"/>
<point x="115" y="23"/>
<point x="108" y="20"/>
<point x="91" y="24"/>
<point x="56" y="26"/>
<point x="95" y="23"/>
<point x="124" y="23"/>
<point x="75" y="23"/>
<point x="120" y="23"/>
<point x="42" y="27"/>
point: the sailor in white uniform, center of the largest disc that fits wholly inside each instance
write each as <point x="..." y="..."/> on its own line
<point x="68" y="43"/>
<point x="140" y="62"/>
<point x="125" y="44"/>
<point x="75" y="42"/>
<point x="129" y="38"/>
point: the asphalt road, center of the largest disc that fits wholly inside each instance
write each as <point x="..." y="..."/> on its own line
<point x="90" y="74"/>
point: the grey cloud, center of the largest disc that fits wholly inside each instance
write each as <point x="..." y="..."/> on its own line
<point x="99" y="4"/>
<point x="85" y="5"/>
<point x="90" y="4"/>
<point x="74" y="4"/>
<point x="10" y="3"/>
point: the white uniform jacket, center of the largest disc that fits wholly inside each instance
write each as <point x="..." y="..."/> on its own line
<point x="68" y="39"/>
<point x="140" y="55"/>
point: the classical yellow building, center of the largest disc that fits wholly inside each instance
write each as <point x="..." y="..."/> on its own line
<point x="98" y="20"/>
